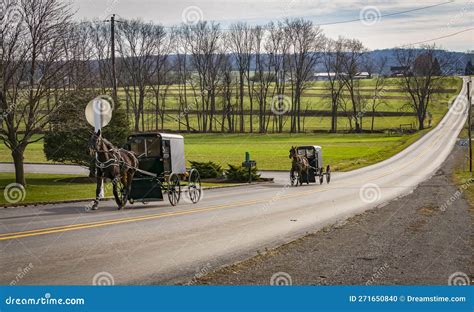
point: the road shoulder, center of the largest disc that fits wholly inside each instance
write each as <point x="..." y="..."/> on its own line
<point x="420" y="239"/>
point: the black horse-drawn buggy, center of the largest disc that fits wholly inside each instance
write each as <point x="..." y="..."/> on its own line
<point x="307" y="165"/>
<point x="149" y="165"/>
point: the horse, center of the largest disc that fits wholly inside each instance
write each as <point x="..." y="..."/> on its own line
<point x="117" y="164"/>
<point x="299" y="165"/>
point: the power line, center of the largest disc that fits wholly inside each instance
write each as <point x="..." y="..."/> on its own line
<point x="388" y="14"/>
<point x="437" y="38"/>
<point x="359" y="19"/>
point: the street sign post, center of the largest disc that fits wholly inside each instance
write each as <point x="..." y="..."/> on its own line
<point x="249" y="164"/>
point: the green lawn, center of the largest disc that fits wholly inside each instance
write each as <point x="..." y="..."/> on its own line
<point x="49" y="187"/>
<point x="53" y="187"/>
<point x="342" y="151"/>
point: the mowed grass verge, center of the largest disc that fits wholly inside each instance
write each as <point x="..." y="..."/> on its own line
<point x="341" y="151"/>
<point x="42" y="188"/>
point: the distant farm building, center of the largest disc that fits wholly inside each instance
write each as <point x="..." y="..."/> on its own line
<point x="322" y="76"/>
<point x="398" y="71"/>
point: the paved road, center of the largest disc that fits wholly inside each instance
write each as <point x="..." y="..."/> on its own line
<point x="47" y="168"/>
<point x="156" y="243"/>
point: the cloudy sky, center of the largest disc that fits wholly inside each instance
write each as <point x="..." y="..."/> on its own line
<point x="378" y="24"/>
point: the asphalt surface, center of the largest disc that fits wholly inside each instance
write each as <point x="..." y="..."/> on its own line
<point x="423" y="238"/>
<point x="160" y="244"/>
<point x="47" y="168"/>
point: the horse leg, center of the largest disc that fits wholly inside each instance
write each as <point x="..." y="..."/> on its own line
<point x="98" y="191"/>
<point x="123" y="179"/>
<point x="129" y="182"/>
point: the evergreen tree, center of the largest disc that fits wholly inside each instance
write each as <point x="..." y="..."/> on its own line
<point x="67" y="139"/>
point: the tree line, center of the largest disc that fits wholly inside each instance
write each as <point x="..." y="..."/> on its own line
<point x="48" y="60"/>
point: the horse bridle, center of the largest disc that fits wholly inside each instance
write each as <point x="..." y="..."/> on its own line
<point x="117" y="159"/>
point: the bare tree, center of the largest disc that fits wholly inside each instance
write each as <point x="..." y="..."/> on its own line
<point x="332" y="61"/>
<point x="352" y="63"/>
<point x="203" y="42"/>
<point x="33" y="63"/>
<point x="305" y="40"/>
<point x="240" y="39"/>
<point x="277" y="48"/>
<point x="136" y="47"/>
<point x="375" y="69"/>
<point x="425" y="70"/>
<point x="160" y="84"/>
<point x="100" y="36"/>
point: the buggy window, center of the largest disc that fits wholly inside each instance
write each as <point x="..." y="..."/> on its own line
<point x="148" y="147"/>
<point x="137" y="146"/>
<point x="306" y="152"/>
<point x="153" y="147"/>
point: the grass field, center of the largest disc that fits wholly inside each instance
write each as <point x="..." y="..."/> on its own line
<point x="342" y="151"/>
<point x="392" y="99"/>
<point x="51" y="188"/>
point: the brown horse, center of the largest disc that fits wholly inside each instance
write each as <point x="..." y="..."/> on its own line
<point x="299" y="167"/>
<point x="116" y="164"/>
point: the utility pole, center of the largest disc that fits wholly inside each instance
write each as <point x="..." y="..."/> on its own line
<point x="469" y="122"/>
<point x="112" y="56"/>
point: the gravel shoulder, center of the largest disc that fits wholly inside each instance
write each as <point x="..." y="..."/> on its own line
<point x="420" y="239"/>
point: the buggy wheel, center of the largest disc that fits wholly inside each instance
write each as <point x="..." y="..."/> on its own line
<point x="294" y="178"/>
<point x="328" y="174"/>
<point x="120" y="193"/>
<point x="194" y="186"/>
<point x="321" y="176"/>
<point x="174" y="189"/>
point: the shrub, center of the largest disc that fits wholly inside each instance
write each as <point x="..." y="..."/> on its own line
<point x="207" y="169"/>
<point x="241" y="174"/>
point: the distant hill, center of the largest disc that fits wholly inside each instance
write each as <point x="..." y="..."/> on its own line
<point x="460" y="60"/>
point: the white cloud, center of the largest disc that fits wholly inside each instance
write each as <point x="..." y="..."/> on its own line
<point x="390" y="31"/>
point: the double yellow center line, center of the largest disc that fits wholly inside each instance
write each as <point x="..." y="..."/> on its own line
<point x="81" y="226"/>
